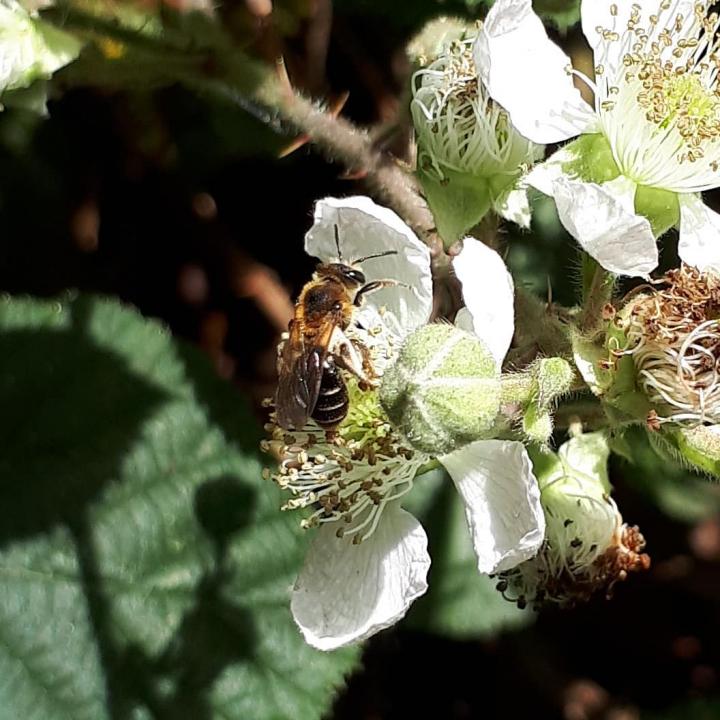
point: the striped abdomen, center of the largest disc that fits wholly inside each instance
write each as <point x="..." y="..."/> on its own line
<point x="332" y="403"/>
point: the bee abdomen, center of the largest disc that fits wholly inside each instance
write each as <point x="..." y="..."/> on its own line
<point x="332" y="403"/>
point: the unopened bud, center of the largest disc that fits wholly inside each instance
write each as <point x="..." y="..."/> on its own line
<point x="443" y="391"/>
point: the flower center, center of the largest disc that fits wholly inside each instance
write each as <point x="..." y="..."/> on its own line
<point x="348" y="475"/>
<point x="673" y="336"/>
<point x="660" y="104"/>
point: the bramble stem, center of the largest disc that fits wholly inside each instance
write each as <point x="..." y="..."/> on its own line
<point x="226" y="71"/>
<point x="598" y="286"/>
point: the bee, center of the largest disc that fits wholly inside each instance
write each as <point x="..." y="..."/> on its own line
<point x="310" y="382"/>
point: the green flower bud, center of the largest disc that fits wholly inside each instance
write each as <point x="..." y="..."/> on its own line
<point x="469" y="156"/>
<point x="537" y="424"/>
<point x="443" y="391"/>
<point x="587" y="547"/>
<point x="553" y="378"/>
<point x="535" y="390"/>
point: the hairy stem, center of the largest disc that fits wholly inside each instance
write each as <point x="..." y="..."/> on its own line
<point x="224" y="70"/>
<point x="598" y="286"/>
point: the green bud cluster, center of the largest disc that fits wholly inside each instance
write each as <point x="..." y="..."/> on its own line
<point x="536" y="390"/>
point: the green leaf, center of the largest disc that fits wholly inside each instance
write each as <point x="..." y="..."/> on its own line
<point x="460" y="602"/>
<point x="458" y="204"/>
<point x="144" y="566"/>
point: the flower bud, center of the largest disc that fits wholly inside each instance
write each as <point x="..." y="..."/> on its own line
<point x="535" y="390"/>
<point x="469" y="156"/>
<point x="587" y="546"/>
<point x="443" y="391"/>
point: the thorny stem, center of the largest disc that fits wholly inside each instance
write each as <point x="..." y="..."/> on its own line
<point x="341" y="140"/>
<point x="228" y="72"/>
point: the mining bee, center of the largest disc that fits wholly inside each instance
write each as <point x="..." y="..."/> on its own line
<point x="310" y="382"/>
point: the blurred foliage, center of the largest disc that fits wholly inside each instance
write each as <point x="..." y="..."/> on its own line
<point x="139" y="545"/>
<point x="678" y="492"/>
<point x="698" y="709"/>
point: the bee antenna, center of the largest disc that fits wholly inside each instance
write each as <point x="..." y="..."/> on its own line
<point x="337" y="242"/>
<point x="375" y="255"/>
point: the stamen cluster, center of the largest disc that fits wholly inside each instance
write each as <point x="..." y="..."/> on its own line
<point x="459" y="127"/>
<point x="347" y="475"/>
<point x="669" y="72"/>
<point x="673" y="335"/>
<point x="570" y="570"/>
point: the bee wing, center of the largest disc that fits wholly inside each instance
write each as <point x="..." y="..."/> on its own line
<point x="300" y="375"/>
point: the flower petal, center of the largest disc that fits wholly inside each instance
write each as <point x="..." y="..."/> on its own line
<point x="526" y="73"/>
<point x="488" y="291"/>
<point x="542" y="176"/>
<point x="601" y="219"/>
<point x="514" y="206"/>
<point x="699" y="243"/>
<point x="366" y="228"/>
<point x="502" y="501"/>
<point x="345" y="593"/>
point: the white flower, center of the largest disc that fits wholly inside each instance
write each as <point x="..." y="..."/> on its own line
<point x="466" y="141"/>
<point x="30" y="48"/>
<point x="368" y="560"/>
<point x="656" y="105"/>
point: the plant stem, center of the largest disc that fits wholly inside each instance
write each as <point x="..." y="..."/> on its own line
<point x="226" y="71"/>
<point x="597" y="294"/>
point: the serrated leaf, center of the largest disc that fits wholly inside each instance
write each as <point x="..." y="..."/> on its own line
<point x="460" y="603"/>
<point x="144" y="566"/>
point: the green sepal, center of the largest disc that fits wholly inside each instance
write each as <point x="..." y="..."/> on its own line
<point x="443" y="391"/>
<point x="592" y="160"/>
<point x="458" y="202"/>
<point x="660" y="207"/>
<point x="698" y="447"/>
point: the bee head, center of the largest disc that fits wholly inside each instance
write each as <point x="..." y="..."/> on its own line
<point x="349" y="276"/>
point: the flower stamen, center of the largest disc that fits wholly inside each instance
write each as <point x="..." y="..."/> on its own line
<point x="673" y="335"/>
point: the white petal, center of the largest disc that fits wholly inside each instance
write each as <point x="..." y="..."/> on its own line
<point x="488" y="292"/>
<point x="502" y="501"/>
<point x="526" y="73"/>
<point x="601" y="219"/>
<point x="345" y="593"/>
<point x="542" y="176"/>
<point x="514" y="206"/>
<point x="699" y="243"/>
<point x="366" y="228"/>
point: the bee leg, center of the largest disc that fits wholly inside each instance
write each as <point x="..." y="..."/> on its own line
<point x="373" y="286"/>
<point x="354" y="357"/>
